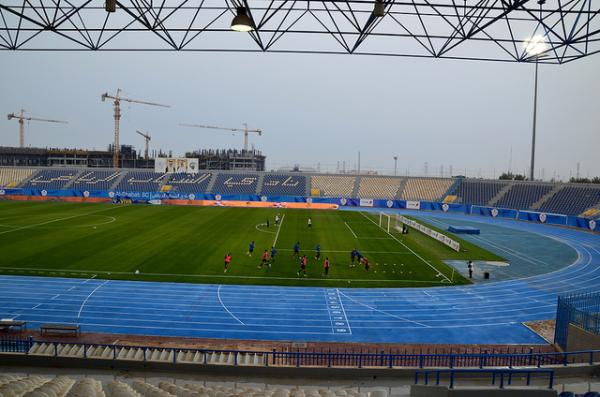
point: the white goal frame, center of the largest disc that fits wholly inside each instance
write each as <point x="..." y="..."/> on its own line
<point x="385" y="221"/>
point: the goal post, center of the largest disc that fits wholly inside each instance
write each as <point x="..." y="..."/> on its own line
<point x="385" y="221"/>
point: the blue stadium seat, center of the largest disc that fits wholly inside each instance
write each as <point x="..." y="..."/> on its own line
<point x="568" y="394"/>
<point x="96" y="180"/>
<point x="572" y="200"/>
<point x="592" y="394"/>
<point x="141" y="181"/>
<point x="479" y="192"/>
<point x="284" y="185"/>
<point x="229" y="183"/>
<point x="523" y="195"/>
<point x="190" y="183"/>
<point x="51" y="179"/>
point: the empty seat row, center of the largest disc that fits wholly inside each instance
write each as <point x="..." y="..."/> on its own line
<point x="332" y="185"/>
<point x="96" y="180"/>
<point x="379" y="187"/>
<point x="572" y="200"/>
<point x="523" y="196"/>
<point x="12" y="177"/>
<point x="479" y="192"/>
<point x="427" y="189"/>
<point x="51" y="179"/>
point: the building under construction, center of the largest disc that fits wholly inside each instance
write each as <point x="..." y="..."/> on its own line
<point x="229" y="159"/>
<point x="226" y="159"/>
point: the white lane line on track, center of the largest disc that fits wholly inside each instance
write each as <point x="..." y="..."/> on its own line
<point x="56" y="220"/>
<point x="382" y="312"/>
<point x="225" y="307"/>
<point x="234" y="277"/>
<point x="278" y="230"/>
<point x="351" y="231"/>
<point x="88" y="297"/>
<point x="408" y="248"/>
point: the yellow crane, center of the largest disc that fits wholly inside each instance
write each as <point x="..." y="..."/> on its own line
<point x="117" y="116"/>
<point x="147" y="138"/>
<point x="21" y="119"/>
<point x="245" y="130"/>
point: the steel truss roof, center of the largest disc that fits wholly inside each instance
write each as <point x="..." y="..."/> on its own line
<point x="456" y="29"/>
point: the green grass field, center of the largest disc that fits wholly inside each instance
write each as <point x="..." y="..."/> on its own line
<point x="187" y="244"/>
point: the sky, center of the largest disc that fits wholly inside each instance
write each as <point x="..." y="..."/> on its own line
<point x="317" y="110"/>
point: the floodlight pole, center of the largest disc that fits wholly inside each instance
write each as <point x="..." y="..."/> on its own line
<point x="395" y="165"/>
<point x="535" y="92"/>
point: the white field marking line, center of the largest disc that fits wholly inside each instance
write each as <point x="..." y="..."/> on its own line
<point x="88" y="297"/>
<point x="382" y="312"/>
<point x="343" y="310"/>
<point x="111" y="219"/>
<point x="264" y="231"/>
<point x="374" y="238"/>
<point x="36" y="306"/>
<point x="348" y="251"/>
<point x="76" y="285"/>
<point x="223" y="276"/>
<point x="405" y="246"/>
<point x="225" y="307"/>
<point x="278" y="230"/>
<point x="55" y="220"/>
<point x="351" y="231"/>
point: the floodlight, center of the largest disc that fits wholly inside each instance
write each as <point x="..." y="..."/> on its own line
<point x="378" y="9"/>
<point x="535" y="45"/>
<point x="110" y="5"/>
<point x="241" y="22"/>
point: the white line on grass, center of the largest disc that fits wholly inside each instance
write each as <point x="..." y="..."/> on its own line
<point x="408" y="248"/>
<point x="55" y="220"/>
<point x="88" y="297"/>
<point x="264" y="231"/>
<point x="225" y="307"/>
<point x="351" y="231"/>
<point x="278" y="230"/>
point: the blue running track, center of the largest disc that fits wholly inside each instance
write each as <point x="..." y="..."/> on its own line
<point x="485" y="313"/>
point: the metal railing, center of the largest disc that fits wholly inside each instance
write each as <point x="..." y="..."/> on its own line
<point x="318" y="359"/>
<point x="502" y="377"/>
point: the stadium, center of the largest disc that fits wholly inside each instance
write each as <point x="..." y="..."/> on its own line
<point x="243" y="272"/>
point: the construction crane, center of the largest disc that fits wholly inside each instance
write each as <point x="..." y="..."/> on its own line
<point x="245" y="130"/>
<point x="147" y="138"/>
<point x="21" y="119"/>
<point x="117" y="106"/>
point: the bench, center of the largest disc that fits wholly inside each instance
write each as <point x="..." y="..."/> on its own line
<point x="9" y="324"/>
<point x="62" y="329"/>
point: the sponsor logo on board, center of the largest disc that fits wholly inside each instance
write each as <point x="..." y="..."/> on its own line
<point x="543" y="217"/>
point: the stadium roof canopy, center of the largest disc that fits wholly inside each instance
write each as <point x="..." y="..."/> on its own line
<point x="458" y="29"/>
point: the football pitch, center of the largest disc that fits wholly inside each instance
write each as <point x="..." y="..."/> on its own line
<point x="188" y="244"/>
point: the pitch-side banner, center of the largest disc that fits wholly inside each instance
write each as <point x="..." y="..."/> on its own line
<point x="366" y="202"/>
<point x="176" y="165"/>
<point x="442" y="238"/>
<point x="413" y="205"/>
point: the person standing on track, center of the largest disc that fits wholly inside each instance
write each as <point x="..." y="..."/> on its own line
<point x="326" y="267"/>
<point x="227" y="261"/>
<point x="470" y="267"/>
<point x="250" y="248"/>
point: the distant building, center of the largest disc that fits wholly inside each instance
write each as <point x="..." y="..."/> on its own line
<point x="227" y="159"/>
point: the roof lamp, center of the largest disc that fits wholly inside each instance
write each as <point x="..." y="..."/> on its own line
<point x="241" y="22"/>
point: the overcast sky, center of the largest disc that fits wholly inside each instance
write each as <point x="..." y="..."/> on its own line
<point x="317" y="109"/>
